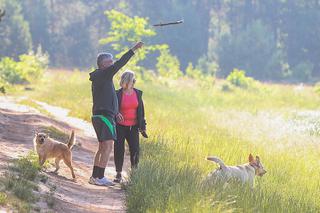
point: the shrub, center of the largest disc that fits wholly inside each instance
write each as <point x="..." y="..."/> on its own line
<point x="29" y="68"/>
<point x="28" y="166"/>
<point x="207" y="66"/>
<point x="226" y="87"/>
<point x="168" y="65"/>
<point x="239" y="79"/>
<point x="193" y="72"/>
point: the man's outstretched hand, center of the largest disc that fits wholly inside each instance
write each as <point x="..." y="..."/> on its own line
<point x="138" y="45"/>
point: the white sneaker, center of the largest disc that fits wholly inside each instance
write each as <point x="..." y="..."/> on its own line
<point x="104" y="182"/>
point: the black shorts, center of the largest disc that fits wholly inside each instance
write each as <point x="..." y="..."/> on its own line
<point x="105" y="127"/>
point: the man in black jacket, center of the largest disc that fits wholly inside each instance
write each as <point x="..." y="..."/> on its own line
<point x="105" y="109"/>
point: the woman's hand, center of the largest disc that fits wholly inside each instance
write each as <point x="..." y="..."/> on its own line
<point x="119" y="118"/>
<point x="143" y="133"/>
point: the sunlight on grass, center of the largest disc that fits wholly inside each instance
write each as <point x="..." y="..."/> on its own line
<point x="188" y="120"/>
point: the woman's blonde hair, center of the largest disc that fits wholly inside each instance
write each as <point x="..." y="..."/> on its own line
<point x="126" y="77"/>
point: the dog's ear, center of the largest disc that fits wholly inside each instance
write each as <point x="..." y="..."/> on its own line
<point x="251" y="159"/>
<point x="35" y="133"/>
<point x="257" y="159"/>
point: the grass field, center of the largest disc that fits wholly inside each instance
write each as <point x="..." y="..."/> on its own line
<point x="188" y="120"/>
<point x="20" y="182"/>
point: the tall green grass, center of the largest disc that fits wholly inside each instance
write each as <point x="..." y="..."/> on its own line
<point x="185" y="123"/>
<point x="20" y="182"/>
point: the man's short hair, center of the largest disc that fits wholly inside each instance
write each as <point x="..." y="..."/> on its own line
<point x="102" y="56"/>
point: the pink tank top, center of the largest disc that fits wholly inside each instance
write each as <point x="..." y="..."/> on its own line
<point x="128" y="109"/>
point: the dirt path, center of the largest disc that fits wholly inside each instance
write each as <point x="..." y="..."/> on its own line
<point x="17" y="126"/>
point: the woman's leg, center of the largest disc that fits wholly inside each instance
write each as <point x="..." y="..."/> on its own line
<point x="133" y="141"/>
<point x="119" y="148"/>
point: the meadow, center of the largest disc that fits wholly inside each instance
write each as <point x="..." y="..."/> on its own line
<point x="188" y="120"/>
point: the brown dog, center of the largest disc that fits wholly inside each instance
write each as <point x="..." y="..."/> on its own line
<point x="47" y="147"/>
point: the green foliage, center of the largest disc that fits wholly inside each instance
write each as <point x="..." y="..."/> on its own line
<point x="207" y="67"/>
<point x="212" y="122"/>
<point x="21" y="177"/>
<point x="15" y="37"/>
<point x="3" y="198"/>
<point x="187" y="41"/>
<point x="168" y="65"/>
<point x="253" y="49"/>
<point x="317" y="88"/>
<point x="27" y="166"/>
<point x="239" y="79"/>
<point x="125" y="31"/>
<point x="226" y="87"/>
<point x="259" y="37"/>
<point x="193" y="72"/>
<point x="29" y="68"/>
<point x="302" y="71"/>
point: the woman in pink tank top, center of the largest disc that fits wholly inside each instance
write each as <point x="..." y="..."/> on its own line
<point x="130" y="121"/>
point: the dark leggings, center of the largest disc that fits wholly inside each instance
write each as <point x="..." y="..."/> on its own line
<point x="131" y="134"/>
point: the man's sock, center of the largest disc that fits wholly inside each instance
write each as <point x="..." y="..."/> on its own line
<point x="95" y="172"/>
<point x="101" y="172"/>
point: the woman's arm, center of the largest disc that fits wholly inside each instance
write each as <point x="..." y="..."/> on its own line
<point x="143" y="119"/>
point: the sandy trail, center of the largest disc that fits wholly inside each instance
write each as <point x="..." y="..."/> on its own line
<point x="17" y="126"/>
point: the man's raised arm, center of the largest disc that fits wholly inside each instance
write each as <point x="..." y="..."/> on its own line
<point x="125" y="58"/>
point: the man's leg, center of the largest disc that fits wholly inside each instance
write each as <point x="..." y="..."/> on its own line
<point x="97" y="157"/>
<point x="96" y="163"/>
<point x="105" y="149"/>
<point x="98" y="125"/>
<point x="101" y="158"/>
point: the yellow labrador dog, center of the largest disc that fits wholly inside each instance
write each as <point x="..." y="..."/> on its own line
<point x="244" y="173"/>
<point x="47" y="147"/>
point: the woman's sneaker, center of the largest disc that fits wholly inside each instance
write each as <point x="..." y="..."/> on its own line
<point x="118" y="178"/>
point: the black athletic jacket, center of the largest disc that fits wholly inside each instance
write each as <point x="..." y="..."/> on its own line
<point x="140" y="111"/>
<point x="103" y="92"/>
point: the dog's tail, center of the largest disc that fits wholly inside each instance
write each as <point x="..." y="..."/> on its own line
<point x="72" y="140"/>
<point x="217" y="160"/>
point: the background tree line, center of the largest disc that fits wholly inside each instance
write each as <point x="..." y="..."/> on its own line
<point x="270" y="40"/>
